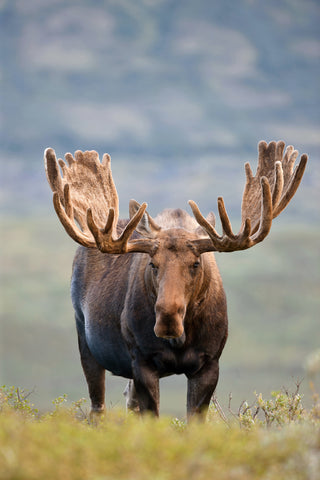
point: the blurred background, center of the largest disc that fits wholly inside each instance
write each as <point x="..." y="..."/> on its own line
<point x="179" y="93"/>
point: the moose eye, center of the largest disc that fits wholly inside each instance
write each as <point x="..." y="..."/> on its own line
<point x="154" y="268"/>
<point x="193" y="268"/>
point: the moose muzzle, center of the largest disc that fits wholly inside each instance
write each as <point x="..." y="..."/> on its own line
<point x="169" y="320"/>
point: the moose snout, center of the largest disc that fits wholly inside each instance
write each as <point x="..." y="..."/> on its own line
<point x="169" y="320"/>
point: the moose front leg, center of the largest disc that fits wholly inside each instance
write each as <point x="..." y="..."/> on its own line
<point x="201" y="388"/>
<point x="146" y="386"/>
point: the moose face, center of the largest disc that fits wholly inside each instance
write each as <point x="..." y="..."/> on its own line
<point x="176" y="272"/>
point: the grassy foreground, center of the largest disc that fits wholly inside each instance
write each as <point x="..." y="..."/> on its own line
<point x="273" y="439"/>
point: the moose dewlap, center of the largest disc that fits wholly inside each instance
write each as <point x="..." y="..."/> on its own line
<point x="147" y="293"/>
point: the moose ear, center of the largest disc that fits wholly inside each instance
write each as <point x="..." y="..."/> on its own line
<point x="211" y="219"/>
<point x="147" y="226"/>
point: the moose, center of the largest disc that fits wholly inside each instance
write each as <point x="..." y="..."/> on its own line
<point x="147" y="293"/>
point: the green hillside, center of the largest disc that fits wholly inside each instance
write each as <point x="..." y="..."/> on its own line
<point x="273" y="301"/>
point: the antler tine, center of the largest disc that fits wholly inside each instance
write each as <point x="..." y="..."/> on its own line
<point x="293" y="185"/>
<point x="104" y="238"/>
<point x="67" y="202"/>
<point x="225" y="221"/>
<point x="276" y="195"/>
<point x="69" y="224"/>
<point x="80" y="218"/>
<point x="211" y="231"/>
<point x="52" y="171"/>
<point x="133" y="223"/>
<point x="266" y="212"/>
<point x="265" y="196"/>
<point x="278" y="185"/>
<point x="228" y="242"/>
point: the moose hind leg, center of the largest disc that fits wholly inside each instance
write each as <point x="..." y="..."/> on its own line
<point x="95" y="376"/>
<point x="130" y="393"/>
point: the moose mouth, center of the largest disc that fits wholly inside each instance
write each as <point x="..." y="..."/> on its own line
<point x="178" y="342"/>
<point x="174" y="340"/>
<point x="169" y="335"/>
<point x="172" y="330"/>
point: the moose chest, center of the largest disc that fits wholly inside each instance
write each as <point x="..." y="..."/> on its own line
<point x="172" y="360"/>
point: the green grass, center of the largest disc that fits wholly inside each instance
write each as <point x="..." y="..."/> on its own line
<point x="65" y="443"/>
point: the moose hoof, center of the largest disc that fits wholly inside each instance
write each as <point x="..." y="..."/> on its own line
<point x="96" y="415"/>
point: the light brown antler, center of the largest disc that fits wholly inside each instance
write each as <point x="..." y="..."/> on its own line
<point x="86" y="197"/>
<point x="265" y="196"/>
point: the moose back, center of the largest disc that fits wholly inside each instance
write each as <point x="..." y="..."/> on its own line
<point x="147" y="293"/>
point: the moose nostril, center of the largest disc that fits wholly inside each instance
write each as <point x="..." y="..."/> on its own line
<point x="170" y="310"/>
<point x="165" y="331"/>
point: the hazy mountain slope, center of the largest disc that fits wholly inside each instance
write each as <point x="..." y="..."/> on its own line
<point x="188" y="85"/>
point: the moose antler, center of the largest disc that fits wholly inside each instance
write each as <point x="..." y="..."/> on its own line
<point x="86" y="197"/>
<point x="265" y="196"/>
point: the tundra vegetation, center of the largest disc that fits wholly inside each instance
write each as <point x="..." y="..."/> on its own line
<point x="276" y="439"/>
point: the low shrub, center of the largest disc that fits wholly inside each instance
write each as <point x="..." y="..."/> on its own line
<point x="272" y="439"/>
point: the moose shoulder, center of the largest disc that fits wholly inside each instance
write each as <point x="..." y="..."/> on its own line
<point x="147" y="294"/>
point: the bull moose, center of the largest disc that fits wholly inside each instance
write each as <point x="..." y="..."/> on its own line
<point x="147" y="293"/>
